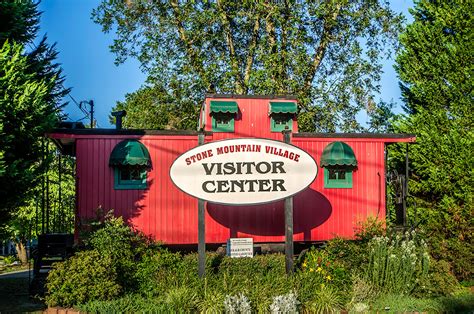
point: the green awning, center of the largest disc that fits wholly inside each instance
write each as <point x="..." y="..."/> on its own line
<point x="130" y="153"/>
<point x="338" y="154"/>
<point x="282" y="107"/>
<point x="224" y="106"/>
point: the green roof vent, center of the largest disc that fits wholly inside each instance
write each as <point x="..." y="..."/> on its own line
<point x="130" y="153"/>
<point x="224" y="106"/>
<point x="338" y="154"/>
<point x="282" y="107"/>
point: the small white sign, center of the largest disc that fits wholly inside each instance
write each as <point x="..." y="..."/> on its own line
<point x="240" y="247"/>
<point x="243" y="171"/>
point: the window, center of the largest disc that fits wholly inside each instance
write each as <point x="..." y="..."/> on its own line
<point x="337" y="177"/>
<point x="223" y="115"/>
<point x="338" y="161"/>
<point x="223" y="122"/>
<point x="279" y="122"/>
<point x="130" y="178"/>
<point x="130" y="161"/>
<point x="281" y="115"/>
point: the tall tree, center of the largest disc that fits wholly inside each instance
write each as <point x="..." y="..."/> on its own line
<point x="435" y="67"/>
<point x="327" y="53"/>
<point x="30" y="89"/>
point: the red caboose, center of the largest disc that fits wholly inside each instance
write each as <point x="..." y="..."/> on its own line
<point x="129" y="171"/>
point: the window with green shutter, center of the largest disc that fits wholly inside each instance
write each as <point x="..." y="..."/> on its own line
<point x="130" y="161"/>
<point x="337" y="178"/>
<point x="281" y="115"/>
<point x="338" y="161"/>
<point x="130" y="178"/>
<point x="279" y="122"/>
<point x="223" y="115"/>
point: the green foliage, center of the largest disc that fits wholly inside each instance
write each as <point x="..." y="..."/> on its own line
<point x="348" y="254"/>
<point x="128" y="304"/>
<point x="402" y="304"/>
<point x="325" y="268"/>
<point x="181" y="299"/>
<point x="30" y="90"/>
<point x="396" y="265"/>
<point x="25" y="114"/>
<point x="136" y="267"/>
<point x="327" y="299"/>
<point x="87" y="276"/>
<point x="18" y="21"/>
<point x="367" y="229"/>
<point x="212" y="301"/>
<point x="113" y="245"/>
<point x="154" y="107"/>
<point x="439" y="282"/>
<point x="326" y="53"/>
<point x="7" y="260"/>
<point x="436" y="69"/>
<point x="125" y="247"/>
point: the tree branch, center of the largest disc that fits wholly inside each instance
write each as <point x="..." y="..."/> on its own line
<point x="326" y="38"/>
<point x="282" y="73"/>
<point x="270" y="29"/>
<point x="234" y="64"/>
<point x="190" y="51"/>
<point x="251" y="52"/>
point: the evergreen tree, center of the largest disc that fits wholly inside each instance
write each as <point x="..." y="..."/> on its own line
<point x="435" y="67"/>
<point x="30" y="89"/>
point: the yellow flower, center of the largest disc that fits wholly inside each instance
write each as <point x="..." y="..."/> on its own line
<point x="328" y="277"/>
<point x="319" y="269"/>
<point x="304" y="264"/>
<point x="311" y="269"/>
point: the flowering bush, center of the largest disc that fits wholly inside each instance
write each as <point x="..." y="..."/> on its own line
<point x="325" y="267"/>
<point x="287" y="303"/>
<point x="237" y="304"/>
<point x="397" y="265"/>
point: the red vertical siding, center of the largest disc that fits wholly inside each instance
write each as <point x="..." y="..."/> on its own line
<point x="170" y="215"/>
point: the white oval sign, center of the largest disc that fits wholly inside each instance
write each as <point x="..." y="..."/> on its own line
<point x="243" y="171"/>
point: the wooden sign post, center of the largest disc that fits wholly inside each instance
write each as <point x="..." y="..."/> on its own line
<point x="289" y="250"/>
<point x="201" y="228"/>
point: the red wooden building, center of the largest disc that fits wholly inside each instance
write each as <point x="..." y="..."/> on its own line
<point x="128" y="171"/>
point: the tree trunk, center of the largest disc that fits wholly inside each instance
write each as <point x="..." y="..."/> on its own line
<point x="21" y="252"/>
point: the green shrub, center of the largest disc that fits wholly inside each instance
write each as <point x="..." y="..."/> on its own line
<point x="396" y="265"/>
<point x="458" y="303"/>
<point x="349" y="254"/>
<point x="370" y="228"/>
<point x="181" y="299"/>
<point x="259" y="265"/>
<point x="84" y="277"/>
<point x="326" y="300"/>
<point x="362" y="291"/>
<point x="124" y="246"/>
<point x="212" y="301"/>
<point x="156" y="272"/>
<point x="439" y="282"/>
<point x="127" y="304"/>
<point x="326" y="268"/>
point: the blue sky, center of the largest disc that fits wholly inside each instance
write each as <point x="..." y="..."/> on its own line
<point x="89" y="66"/>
